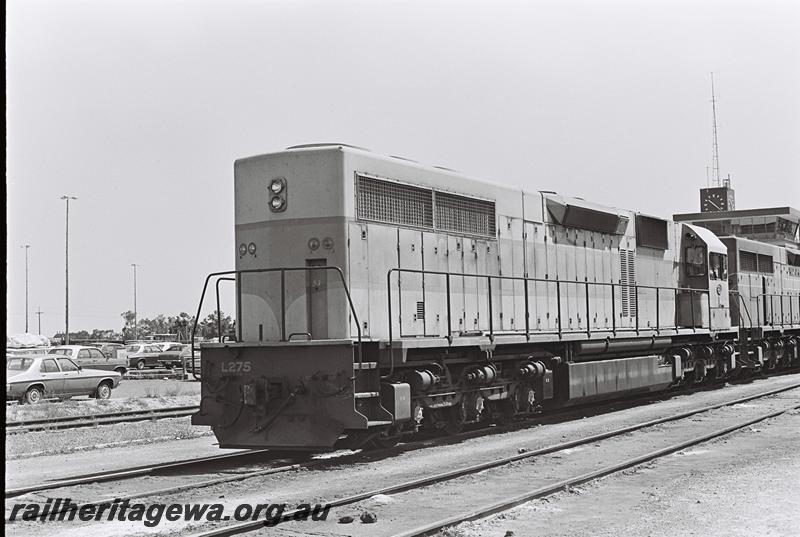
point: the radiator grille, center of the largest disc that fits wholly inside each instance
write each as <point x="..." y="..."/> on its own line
<point x="379" y="200"/>
<point x="394" y="203"/>
<point x="765" y="264"/>
<point x="469" y="216"/>
<point x="627" y="272"/>
<point x="748" y="262"/>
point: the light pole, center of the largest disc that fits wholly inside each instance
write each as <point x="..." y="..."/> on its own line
<point x="26" y="246"/>
<point x="66" y="273"/>
<point x="39" y="313"/>
<point x="135" y="317"/>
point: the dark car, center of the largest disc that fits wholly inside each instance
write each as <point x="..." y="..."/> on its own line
<point x="32" y="378"/>
<point x="110" y="349"/>
<point x="170" y="354"/>
<point x="141" y="355"/>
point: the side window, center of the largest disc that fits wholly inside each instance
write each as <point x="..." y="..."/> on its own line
<point x="96" y="354"/>
<point x="48" y="366"/>
<point x="696" y="261"/>
<point x="718" y="267"/>
<point x="67" y="364"/>
<point x="83" y="354"/>
<point x="150" y="348"/>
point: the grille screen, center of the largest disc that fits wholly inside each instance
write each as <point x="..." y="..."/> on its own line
<point x="765" y="263"/>
<point x="627" y="273"/>
<point x="386" y="201"/>
<point x="465" y="215"/>
<point x="395" y="203"/>
<point x="747" y="262"/>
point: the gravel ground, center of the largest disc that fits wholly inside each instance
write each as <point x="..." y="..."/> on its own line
<point x="339" y="480"/>
<point x="743" y="485"/>
<point x="29" y="471"/>
<point x="129" y="395"/>
<point x="41" y="443"/>
<point x="155" y="388"/>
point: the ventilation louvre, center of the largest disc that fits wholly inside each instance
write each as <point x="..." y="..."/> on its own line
<point x="627" y="273"/>
<point x="394" y="203"/>
<point x="380" y="200"/>
<point x="465" y="215"/>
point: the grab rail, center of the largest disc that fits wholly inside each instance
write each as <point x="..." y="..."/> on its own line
<point x="282" y="271"/>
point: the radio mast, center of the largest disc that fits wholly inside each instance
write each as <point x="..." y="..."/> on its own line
<point x="715" y="180"/>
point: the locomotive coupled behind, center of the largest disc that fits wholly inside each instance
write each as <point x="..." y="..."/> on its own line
<point x="376" y="296"/>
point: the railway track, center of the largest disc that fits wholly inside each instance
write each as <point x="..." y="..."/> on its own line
<point x="138" y="471"/>
<point x="91" y="420"/>
<point x="485" y="510"/>
<point x="280" y="464"/>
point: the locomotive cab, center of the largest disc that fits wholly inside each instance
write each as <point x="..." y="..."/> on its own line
<point x="703" y="300"/>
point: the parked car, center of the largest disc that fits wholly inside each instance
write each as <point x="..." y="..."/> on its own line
<point x="170" y="354"/>
<point x="111" y="349"/>
<point x="141" y="355"/>
<point x="32" y="378"/>
<point x="186" y="358"/>
<point x="91" y="357"/>
<point x="26" y="351"/>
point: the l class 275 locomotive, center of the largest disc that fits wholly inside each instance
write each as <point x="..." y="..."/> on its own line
<point x="376" y="297"/>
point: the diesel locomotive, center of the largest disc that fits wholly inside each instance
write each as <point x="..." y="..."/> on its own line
<point x="376" y="297"/>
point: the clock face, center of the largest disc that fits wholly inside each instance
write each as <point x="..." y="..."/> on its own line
<point x="712" y="200"/>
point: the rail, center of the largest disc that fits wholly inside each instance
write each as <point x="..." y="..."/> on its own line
<point x="634" y="288"/>
<point x="223" y="276"/>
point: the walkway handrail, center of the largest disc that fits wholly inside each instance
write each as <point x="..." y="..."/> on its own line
<point x="771" y="296"/>
<point x="282" y="271"/>
<point x="558" y="283"/>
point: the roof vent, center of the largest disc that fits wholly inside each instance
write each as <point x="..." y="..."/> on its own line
<point x="333" y="144"/>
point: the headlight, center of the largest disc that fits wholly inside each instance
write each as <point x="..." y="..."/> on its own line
<point x="327" y="243"/>
<point x="313" y="243"/>
<point x="277" y="185"/>
<point x="242" y="249"/>
<point x="251" y="248"/>
<point x="276" y="202"/>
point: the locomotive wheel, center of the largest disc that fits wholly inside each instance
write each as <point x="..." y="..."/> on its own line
<point x="522" y="399"/>
<point x="456" y="418"/>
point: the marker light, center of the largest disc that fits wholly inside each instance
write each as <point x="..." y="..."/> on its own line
<point x="327" y="243"/>
<point x="277" y="185"/>
<point x="313" y="243"/>
<point x="252" y="248"/>
<point x="242" y="249"/>
<point x="276" y="202"/>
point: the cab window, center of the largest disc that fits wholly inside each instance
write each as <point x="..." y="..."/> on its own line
<point x="48" y="366"/>
<point x="67" y="364"/>
<point x="696" y="261"/>
<point x="718" y="266"/>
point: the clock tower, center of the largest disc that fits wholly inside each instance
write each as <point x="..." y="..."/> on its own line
<point x="717" y="199"/>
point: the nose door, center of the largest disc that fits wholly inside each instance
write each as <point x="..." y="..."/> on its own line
<point x="317" y="298"/>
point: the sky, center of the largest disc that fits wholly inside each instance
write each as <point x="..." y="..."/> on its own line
<point x="139" y="108"/>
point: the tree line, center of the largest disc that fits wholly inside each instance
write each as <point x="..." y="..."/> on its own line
<point x="180" y="325"/>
